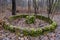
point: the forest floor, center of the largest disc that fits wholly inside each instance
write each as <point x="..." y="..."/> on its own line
<point x="6" y="35"/>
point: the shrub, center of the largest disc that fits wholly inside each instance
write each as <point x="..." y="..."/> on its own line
<point x="30" y="19"/>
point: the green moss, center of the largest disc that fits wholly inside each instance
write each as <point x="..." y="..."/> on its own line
<point x="25" y="32"/>
<point x="32" y="32"/>
<point x="30" y="19"/>
<point x="39" y="31"/>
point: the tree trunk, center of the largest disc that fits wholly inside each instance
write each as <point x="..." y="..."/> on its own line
<point x="29" y="6"/>
<point x="50" y="4"/>
<point x="55" y="4"/>
<point x="49" y="7"/>
<point x="35" y="6"/>
<point x="13" y="7"/>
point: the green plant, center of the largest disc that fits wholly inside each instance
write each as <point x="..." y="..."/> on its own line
<point x="25" y="32"/>
<point x="30" y="19"/>
<point x="32" y="31"/>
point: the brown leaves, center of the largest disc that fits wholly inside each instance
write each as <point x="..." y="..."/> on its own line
<point x="2" y="22"/>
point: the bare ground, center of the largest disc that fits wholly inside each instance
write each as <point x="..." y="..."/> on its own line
<point x="4" y="34"/>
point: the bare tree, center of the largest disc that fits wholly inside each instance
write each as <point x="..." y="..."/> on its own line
<point x="29" y="6"/>
<point x="50" y="3"/>
<point x="35" y="6"/>
<point x="55" y="4"/>
<point x="13" y="7"/>
<point x="52" y="6"/>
